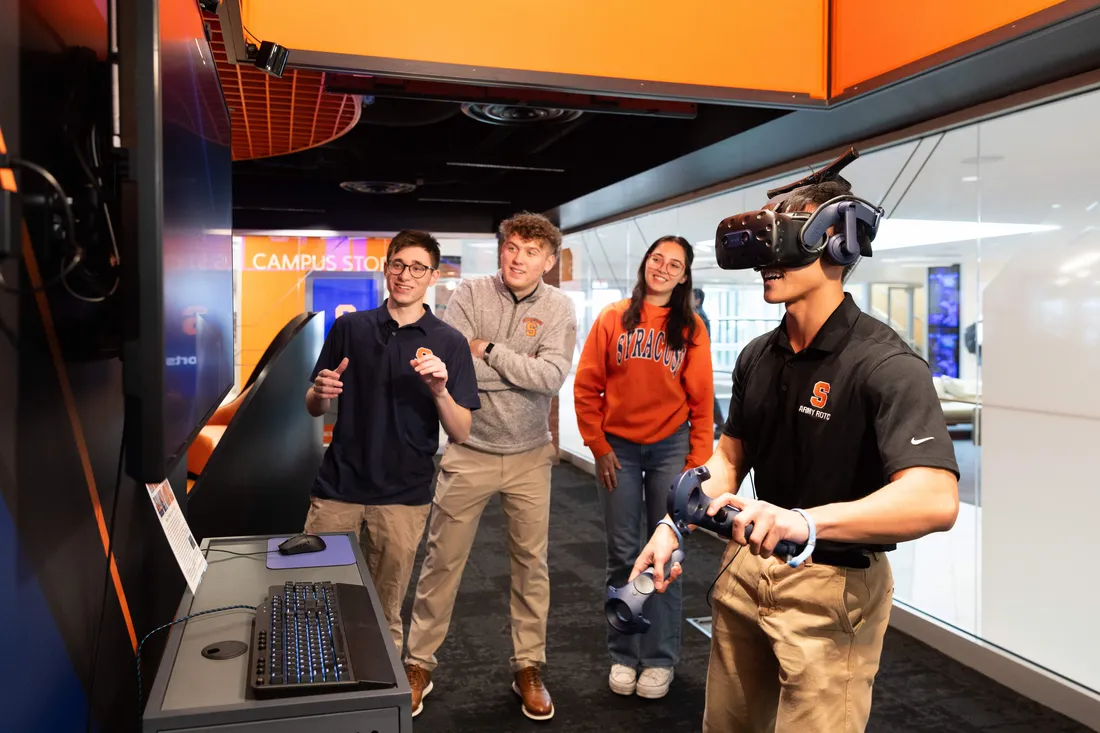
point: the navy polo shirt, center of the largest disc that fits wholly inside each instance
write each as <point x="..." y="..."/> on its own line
<point x="387" y="429"/>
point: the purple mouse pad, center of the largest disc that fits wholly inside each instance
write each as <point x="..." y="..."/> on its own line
<point x="337" y="552"/>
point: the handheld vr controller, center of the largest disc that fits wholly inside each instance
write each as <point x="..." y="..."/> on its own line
<point x="687" y="505"/>
<point x="625" y="606"/>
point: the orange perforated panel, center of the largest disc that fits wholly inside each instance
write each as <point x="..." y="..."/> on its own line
<point x="273" y="116"/>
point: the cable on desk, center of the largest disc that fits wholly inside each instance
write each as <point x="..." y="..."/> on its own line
<point x="241" y="554"/>
<point x="170" y="624"/>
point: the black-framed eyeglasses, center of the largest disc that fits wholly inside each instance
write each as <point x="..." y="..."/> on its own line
<point x="417" y="270"/>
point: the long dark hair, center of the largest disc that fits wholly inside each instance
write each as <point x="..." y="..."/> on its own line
<point x="680" y="326"/>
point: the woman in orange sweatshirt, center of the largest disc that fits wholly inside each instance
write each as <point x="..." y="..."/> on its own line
<point x="644" y="377"/>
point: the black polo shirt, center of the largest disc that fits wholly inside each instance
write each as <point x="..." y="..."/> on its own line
<point x="833" y="422"/>
<point x="387" y="428"/>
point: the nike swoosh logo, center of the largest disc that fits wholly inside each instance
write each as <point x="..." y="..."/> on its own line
<point x="914" y="441"/>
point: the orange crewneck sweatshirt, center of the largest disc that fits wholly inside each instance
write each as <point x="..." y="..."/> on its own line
<point x="633" y="386"/>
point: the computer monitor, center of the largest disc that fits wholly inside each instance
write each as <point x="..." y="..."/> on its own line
<point x="177" y="232"/>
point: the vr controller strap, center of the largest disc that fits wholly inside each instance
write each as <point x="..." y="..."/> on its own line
<point x="672" y="525"/>
<point x="811" y="541"/>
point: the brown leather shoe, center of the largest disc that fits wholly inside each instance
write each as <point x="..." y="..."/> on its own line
<point x="420" y="680"/>
<point x="537" y="704"/>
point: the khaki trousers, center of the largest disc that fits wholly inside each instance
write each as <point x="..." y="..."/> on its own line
<point x="795" y="649"/>
<point x="392" y="536"/>
<point x="467" y="480"/>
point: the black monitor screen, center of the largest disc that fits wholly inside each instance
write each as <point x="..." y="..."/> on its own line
<point x="197" y="228"/>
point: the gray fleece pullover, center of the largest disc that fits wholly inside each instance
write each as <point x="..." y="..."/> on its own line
<point x="533" y="341"/>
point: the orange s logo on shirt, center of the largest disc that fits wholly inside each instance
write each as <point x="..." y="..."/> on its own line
<point x="531" y="326"/>
<point x="821" y="395"/>
<point x="422" y="352"/>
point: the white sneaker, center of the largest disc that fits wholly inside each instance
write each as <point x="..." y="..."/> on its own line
<point x="654" y="682"/>
<point x="623" y="679"/>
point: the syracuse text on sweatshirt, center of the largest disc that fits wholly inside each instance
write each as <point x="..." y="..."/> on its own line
<point x="632" y="385"/>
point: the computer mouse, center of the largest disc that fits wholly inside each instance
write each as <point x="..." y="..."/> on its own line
<point x="301" y="543"/>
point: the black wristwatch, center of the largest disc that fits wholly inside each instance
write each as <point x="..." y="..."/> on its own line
<point x="488" y="348"/>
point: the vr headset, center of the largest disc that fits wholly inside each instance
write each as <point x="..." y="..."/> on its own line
<point x="769" y="238"/>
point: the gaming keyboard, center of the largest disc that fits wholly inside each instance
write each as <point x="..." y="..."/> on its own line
<point x="304" y="641"/>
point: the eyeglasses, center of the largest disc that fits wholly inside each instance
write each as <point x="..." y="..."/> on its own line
<point x="674" y="268"/>
<point x="417" y="270"/>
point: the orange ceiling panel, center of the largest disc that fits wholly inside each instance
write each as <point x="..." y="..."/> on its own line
<point x="274" y="116"/>
<point x="714" y="44"/>
<point x="873" y="38"/>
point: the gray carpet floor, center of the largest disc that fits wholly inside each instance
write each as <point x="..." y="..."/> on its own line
<point x="917" y="690"/>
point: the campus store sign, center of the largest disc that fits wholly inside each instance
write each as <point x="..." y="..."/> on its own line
<point x="315" y="254"/>
<point x="273" y="280"/>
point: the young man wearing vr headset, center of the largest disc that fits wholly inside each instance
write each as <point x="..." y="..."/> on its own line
<point x="840" y="423"/>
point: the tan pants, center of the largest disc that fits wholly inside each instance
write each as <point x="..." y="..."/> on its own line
<point x="467" y="480"/>
<point x="795" y="649"/>
<point x="389" y="545"/>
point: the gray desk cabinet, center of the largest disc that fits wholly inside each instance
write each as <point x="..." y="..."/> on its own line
<point x="192" y="693"/>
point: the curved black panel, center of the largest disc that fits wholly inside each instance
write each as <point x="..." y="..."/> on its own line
<point x="288" y="332"/>
<point x="258" y="478"/>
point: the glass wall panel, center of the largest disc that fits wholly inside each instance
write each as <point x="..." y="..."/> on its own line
<point x="988" y="266"/>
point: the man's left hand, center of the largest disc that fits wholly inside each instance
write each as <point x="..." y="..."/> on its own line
<point x="434" y="373"/>
<point x="770" y="523"/>
<point x="477" y="348"/>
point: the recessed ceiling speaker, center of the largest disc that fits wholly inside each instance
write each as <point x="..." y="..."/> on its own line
<point x="509" y="114"/>
<point x="378" y="187"/>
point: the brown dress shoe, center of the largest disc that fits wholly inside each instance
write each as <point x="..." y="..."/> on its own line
<point x="420" y="680"/>
<point x="537" y="704"/>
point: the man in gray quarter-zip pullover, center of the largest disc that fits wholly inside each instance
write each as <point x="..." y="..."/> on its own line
<point x="522" y="334"/>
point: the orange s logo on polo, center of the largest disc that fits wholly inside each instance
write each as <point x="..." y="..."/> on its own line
<point x="531" y="326"/>
<point x="422" y="352"/>
<point x="821" y="395"/>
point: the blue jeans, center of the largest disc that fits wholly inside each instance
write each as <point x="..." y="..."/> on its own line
<point x="647" y="474"/>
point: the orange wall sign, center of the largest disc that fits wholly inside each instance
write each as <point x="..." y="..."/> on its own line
<point x="729" y="44"/>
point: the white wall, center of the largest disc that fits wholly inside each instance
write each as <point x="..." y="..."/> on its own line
<point x="1040" y="486"/>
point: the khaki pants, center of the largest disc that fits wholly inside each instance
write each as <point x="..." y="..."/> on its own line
<point x="392" y="536"/>
<point x="467" y="480"/>
<point x="795" y="649"/>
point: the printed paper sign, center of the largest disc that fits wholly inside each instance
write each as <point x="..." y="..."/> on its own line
<point x="180" y="539"/>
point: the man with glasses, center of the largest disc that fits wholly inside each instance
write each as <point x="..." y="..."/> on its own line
<point x="398" y="372"/>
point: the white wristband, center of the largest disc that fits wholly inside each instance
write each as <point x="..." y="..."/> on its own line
<point x="811" y="541"/>
<point x="672" y="525"/>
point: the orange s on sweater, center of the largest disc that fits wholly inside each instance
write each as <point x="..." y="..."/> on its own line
<point x="633" y="386"/>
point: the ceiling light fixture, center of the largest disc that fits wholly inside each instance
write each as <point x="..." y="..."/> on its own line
<point x="1092" y="206"/>
<point x="299" y="233"/>
<point x="1055" y="206"/>
<point x="969" y="179"/>
<point x="463" y="201"/>
<point x="498" y="166"/>
<point x="1079" y="263"/>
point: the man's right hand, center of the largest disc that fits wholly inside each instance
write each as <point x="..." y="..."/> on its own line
<point x="327" y="385"/>
<point x="656" y="554"/>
